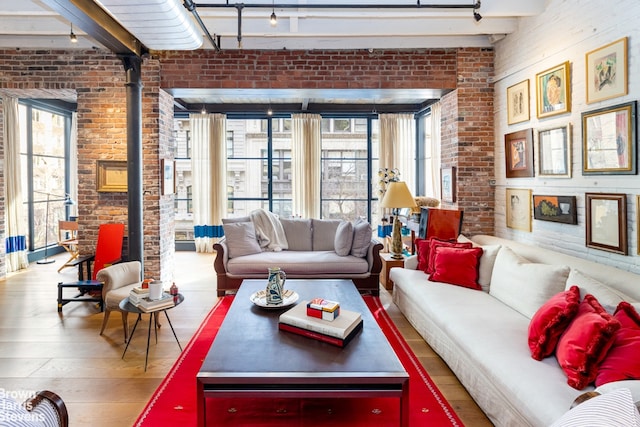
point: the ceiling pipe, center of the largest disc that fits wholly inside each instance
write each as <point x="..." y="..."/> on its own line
<point x="191" y="7"/>
<point x="418" y="5"/>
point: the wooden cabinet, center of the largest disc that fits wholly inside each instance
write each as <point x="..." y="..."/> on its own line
<point x="387" y="264"/>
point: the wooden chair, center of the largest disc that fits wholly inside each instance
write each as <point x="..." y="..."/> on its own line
<point x="444" y="224"/>
<point x="108" y="251"/>
<point x="68" y="239"/>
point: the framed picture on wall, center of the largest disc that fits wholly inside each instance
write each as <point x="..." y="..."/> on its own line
<point x="555" y="209"/>
<point x="518" y="102"/>
<point x="168" y="176"/>
<point x="609" y="140"/>
<point x="518" y="153"/>
<point x="111" y="176"/>
<point x="519" y="209"/>
<point x="554" y="152"/>
<point x="553" y="91"/>
<point x="607" y="71"/>
<point x="448" y="184"/>
<point x="606" y="216"/>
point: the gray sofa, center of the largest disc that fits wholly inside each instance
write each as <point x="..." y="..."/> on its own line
<point x="315" y="249"/>
<point x="482" y="334"/>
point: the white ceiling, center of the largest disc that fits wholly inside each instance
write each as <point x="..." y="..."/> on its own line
<point x="302" y="24"/>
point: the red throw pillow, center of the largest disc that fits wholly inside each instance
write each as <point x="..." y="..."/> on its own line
<point x="434" y="243"/>
<point x="551" y="320"/>
<point x="585" y="343"/>
<point x="457" y="266"/>
<point x="422" y="248"/>
<point x="622" y="361"/>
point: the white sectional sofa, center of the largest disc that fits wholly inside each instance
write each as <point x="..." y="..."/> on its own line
<point x="484" y="339"/>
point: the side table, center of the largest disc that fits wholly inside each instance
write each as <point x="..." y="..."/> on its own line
<point x="387" y="264"/>
<point x="127" y="306"/>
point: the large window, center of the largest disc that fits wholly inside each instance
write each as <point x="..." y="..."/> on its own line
<point x="44" y="150"/>
<point x="259" y="168"/>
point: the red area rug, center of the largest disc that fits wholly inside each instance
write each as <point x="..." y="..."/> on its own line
<point x="174" y="402"/>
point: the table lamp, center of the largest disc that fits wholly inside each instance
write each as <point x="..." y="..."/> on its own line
<point x="397" y="196"/>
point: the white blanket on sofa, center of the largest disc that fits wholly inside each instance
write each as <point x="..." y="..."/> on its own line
<point x="269" y="230"/>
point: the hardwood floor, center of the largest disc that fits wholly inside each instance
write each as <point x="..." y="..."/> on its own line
<point x="40" y="349"/>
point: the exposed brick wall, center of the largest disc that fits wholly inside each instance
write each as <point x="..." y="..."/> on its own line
<point x="318" y="69"/>
<point x="98" y="78"/>
<point x="467" y="139"/>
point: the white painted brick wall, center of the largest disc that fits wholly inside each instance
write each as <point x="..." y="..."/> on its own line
<point x="566" y="31"/>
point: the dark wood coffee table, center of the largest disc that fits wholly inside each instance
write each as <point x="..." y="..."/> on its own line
<point x="250" y="357"/>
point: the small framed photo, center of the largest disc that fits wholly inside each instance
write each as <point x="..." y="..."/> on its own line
<point x="168" y="176"/>
<point x="518" y="102"/>
<point x="609" y="140"/>
<point x="553" y="91"/>
<point x="554" y="152"/>
<point x="555" y="209"/>
<point x="606" y="216"/>
<point x="111" y="176"/>
<point x="607" y="71"/>
<point x="448" y="183"/>
<point x="519" y="209"/>
<point x="518" y="153"/>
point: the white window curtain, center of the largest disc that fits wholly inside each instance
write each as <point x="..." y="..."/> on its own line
<point x="397" y="145"/>
<point x="433" y="168"/>
<point x="15" y="225"/>
<point x="209" y="169"/>
<point x="305" y="163"/>
<point x="73" y="165"/>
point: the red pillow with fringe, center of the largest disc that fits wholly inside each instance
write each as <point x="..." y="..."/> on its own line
<point x="622" y="361"/>
<point x="551" y="320"/>
<point x="457" y="266"/>
<point x="422" y="249"/>
<point x="435" y="243"/>
<point x="585" y="343"/>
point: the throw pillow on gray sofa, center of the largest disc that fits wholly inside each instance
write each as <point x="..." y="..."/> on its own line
<point x="344" y="238"/>
<point x="241" y="239"/>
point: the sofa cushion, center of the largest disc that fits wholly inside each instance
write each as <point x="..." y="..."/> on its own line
<point x="435" y="243"/>
<point x="457" y="266"/>
<point x="344" y="238"/>
<point x="241" y="239"/>
<point x="606" y="296"/>
<point x="585" y="343"/>
<point x="298" y="232"/>
<point x="488" y="259"/>
<point x="551" y="320"/>
<point x="525" y="286"/>
<point x="615" y="408"/>
<point x="422" y="250"/>
<point x="312" y="264"/>
<point x="324" y="232"/>
<point x="362" y="235"/>
<point x="622" y="361"/>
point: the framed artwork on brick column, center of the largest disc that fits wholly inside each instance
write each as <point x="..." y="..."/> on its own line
<point x="168" y="176"/>
<point x="111" y="176"/>
<point x="518" y="154"/>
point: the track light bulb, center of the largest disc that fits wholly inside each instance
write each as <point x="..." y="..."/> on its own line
<point x="72" y="36"/>
<point x="274" y="19"/>
<point x="477" y="16"/>
<point x="269" y="112"/>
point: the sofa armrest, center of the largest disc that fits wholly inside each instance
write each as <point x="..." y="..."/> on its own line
<point x="119" y="275"/>
<point x="411" y="262"/>
<point x="373" y="256"/>
<point x="50" y="407"/>
<point x="222" y="256"/>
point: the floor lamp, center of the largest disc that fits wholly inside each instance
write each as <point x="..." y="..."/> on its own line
<point x="68" y="201"/>
<point x="397" y="196"/>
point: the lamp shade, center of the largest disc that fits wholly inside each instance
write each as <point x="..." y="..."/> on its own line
<point x="397" y="196"/>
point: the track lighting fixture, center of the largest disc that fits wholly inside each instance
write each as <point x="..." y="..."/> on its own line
<point x="72" y="36"/>
<point x="269" y="112"/>
<point x="476" y="14"/>
<point x="274" y="19"/>
<point x="204" y="110"/>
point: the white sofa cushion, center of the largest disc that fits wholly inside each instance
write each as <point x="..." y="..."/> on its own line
<point x="241" y="239"/>
<point x="488" y="259"/>
<point x="525" y="286"/>
<point x="606" y="296"/>
<point x="343" y="238"/>
<point x="362" y="234"/>
<point x="298" y="233"/>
